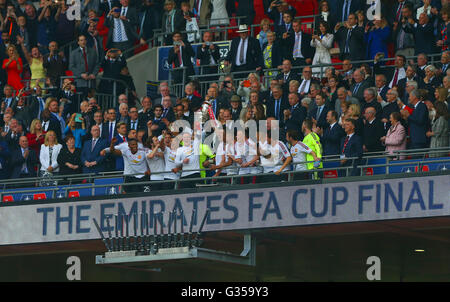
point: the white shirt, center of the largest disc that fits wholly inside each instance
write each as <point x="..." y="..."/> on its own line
<point x="298" y="152"/>
<point x="246" y="152"/>
<point x="118" y="26"/>
<point x="279" y="152"/>
<point x="156" y="165"/>
<point x="242" y="43"/>
<point x="169" y="163"/>
<point x="222" y="154"/>
<point x="134" y="164"/>
<point x="191" y="152"/>
<point x="401" y="75"/>
<point x="44" y="157"/>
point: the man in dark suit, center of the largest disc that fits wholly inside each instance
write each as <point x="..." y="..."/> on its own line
<point x="146" y="113"/>
<point x="443" y="65"/>
<point x="357" y="89"/>
<point x="23" y="160"/>
<point x="347" y="7"/>
<point x="370" y="100"/>
<point x="297" y="45"/>
<point x="16" y="130"/>
<point x="286" y="27"/>
<point x="277" y="104"/>
<point x="151" y="19"/>
<point x="112" y="65"/>
<point x="393" y="75"/>
<point x="55" y="63"/>
<point x="195" y="101"/>
<point x="351" y="146"/>
<point x="109" y="126"/>
<point x="8" y="98"/>
<point x="373" y="131"/>
<point x="295" y="114"/>
<point x="91" y="159"/>
<point x="122" y="27"/>
<point x="392" y="106"/>
<point x="107" y="5"/>
<point x="216" y="104"/>
<point x="418" y="121"/>
<point x="157" y="124"/>
<point x="50" y="123"/>
<point x="172" y="21"/>
<point x="424" y="39"/>
<point x="319" y="114"/>
<point x="332" y="135"/>
<point x="350" y="38"/>
<point x="307" y="83"/>
<point x="180" y="55"/>
<point x="276" y="10"/>
<point x="208" y="54"/>
<point x="286" y="76"/>
<point x="167" y="109"/>
<point x="134" y="123"/>
<point x="245" y="53"/>
<point x="380" y="84"/>
<point x="411" y="75"/>
<point x="235" y="107"/>
<point x="84" y="63"/>
<point x="94" y="41"/>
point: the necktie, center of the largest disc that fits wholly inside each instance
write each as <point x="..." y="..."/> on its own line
<point x="345" y="11"/>
<point x="124" y="139"/>
<point x="277" y="109"/>
<point x="297" y="46"/>
<point x="319" y="111"/>
<point x="241" y="53"/>
<point x="399" y="12"/>
<point x="287" y="27"/>
<point x="214" y="106"/>
<point x="180" y="60"/>
<point x="93" y="145"/>
<point x="85" y="60"/>
<point x="110" y="131"/>
<point x="134" y="125"/>
<point x="302" y="87"/>
<point x="347" y="41"/>
<point x="394" y="82"/>
<point x="285" y="77"/>
<point x="345" y="144"/>
<point x="356" y="88"/>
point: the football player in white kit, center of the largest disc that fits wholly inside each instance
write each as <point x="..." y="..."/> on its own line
<point x="298" y="152"/>
<point x="155" y="161"/>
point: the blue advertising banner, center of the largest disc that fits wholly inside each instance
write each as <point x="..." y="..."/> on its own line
<point x="163" y="54"/>
<point x="415" y="197"/>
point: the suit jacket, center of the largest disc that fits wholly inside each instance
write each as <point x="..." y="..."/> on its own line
<point x="359" y="94"/>
<point x="298" y="115"/>
<point x="306" y="49"/>
<point x="55" y="67"/>
<point x="353" y="148"/>
<point x="253" y="57"/>
<point x="401" y="85"/>
<point x="54" y="125"/>
<point x="196" y="103"/>
<point x="281" y="29"/>
<point x="331" y="139"/>
<point x="322" y="121"/>
<point x="17" y="161"/>
<point x="356" y="42"/>
<point x="169" y="115"/>
<point x="77" y="64"/>
<point x="205" y="54"/>
<point x="95" y="41"/>
<point x="418" y="123"/>
<point x="179" y="23"/>
<point x="275" y="15"/>
<point x="218" y="104"/>
<point x="355" y="5"/>
<point x="187" y="52"/>
<point x="270" y="111"/>
<point x="129" y="26"/>
<point x="205" y="11"/>
<point x="141" y="125"/>
<point x="372" y="134"/>
<point x="374" y="103"/>
<point x="292" y="76"/>
<point x="424" y="38"/>
<point x="93" y="155"/>
<point x="383" y="92"/>
<point x="246" y="8"/>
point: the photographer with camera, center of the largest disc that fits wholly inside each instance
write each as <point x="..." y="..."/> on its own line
<point x="181" y="55"/>
<point x="121" y="23"/>
<point x="112" y="64"/>
<point x="208" y="54"/>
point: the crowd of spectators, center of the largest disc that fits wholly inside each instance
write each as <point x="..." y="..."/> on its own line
<point x="59" y="126"/>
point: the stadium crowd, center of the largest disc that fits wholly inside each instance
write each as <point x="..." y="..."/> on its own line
<point x="54" y="121"/>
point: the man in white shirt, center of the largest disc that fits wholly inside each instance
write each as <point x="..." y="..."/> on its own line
<point x="298" y="153"/>
<point x="135" y="164"/>
<point x="170" y="147"/>
<point x="246" y="156"/>
<point x="188" y="159"/>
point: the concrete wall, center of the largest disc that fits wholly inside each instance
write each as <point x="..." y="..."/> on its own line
<point x="143" y="67"/>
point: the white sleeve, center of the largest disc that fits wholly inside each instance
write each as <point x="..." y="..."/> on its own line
<point x="179" y="156"/>
<point x="304" y="148"/>
<point x="284" y="149"/>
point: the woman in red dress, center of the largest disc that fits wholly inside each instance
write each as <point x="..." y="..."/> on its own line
<point x="36" y="136"/>
<point x="14" y="67"/>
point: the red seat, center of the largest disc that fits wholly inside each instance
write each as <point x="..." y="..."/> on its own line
<point x="330" y="174"/>
<point x="425" y="168"/>
<point x="8" y="198"/>
<point x="74" y="194"/>
<point x="368" y="171"/>
<point x="39" y="196"/>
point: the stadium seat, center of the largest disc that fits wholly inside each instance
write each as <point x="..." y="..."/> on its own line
<point x="425" y="168"/>
<point x="74" y="194"/>
<point x="368" y="171"/>
<point x="39" y="196"/>
<point x="330" y="174"/>
<point x="8" y="198"/>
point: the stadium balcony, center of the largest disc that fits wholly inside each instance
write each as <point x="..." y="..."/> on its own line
<point x="378" y="164"/>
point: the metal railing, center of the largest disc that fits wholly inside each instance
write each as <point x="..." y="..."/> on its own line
<point x="419" y="162"/>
